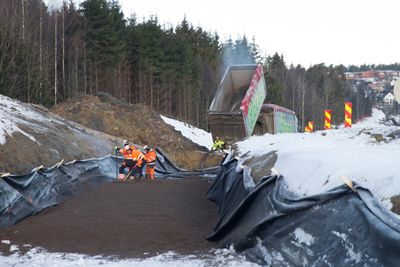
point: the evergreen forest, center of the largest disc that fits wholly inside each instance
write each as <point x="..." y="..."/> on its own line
<point x="49" y="55"/>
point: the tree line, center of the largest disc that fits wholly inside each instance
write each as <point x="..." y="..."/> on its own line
<point x="365" y="67"/>
<point x="50" y="55"/>
<point x="310" y="91"/>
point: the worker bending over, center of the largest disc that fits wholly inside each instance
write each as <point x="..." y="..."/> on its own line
<point x="133" y="160"/>
<point x="150" y="157"/>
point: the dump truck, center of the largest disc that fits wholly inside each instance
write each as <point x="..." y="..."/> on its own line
<point x="234" y="111"/>
<point x="274" y="119"/>
<point x="238" y="110"/>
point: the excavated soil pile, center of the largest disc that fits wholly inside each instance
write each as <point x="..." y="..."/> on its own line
<point x="137" y="123"/>
<point x="131" y="219"/>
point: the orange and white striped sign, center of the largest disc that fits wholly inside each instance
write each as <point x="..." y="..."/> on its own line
<point x="310" y="127"/>
<point x="328" y="113"/>
<point x="347" y="114"/>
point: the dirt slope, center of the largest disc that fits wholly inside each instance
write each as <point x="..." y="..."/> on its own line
<point x="137" y="123"/>
<point x="34" y="136"/>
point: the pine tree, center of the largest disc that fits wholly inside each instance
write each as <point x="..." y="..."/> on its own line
<point x="105" y="40"/>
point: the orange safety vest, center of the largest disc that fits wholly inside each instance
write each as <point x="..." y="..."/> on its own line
<point x="137" y="156"/>
<point x="124" y="151"/>
<point x="151" y="157"/>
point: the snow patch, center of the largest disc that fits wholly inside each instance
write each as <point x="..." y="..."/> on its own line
<point x="14" y="114"/>
<point x="7" y="242"/>
<point x="197" y="135"/>
<point x="313" y="163"/>
<point x="14" y="248"/>
<point x="270" y="257"/>
<point x="39" y="257"/>
<point x="302" y="237"/>
<point x="355" y="256"/>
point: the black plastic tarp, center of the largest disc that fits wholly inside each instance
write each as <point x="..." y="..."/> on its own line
<point x="165" y="168"/>
<point x="272" y="226"/>
<point x="25" y="195"/>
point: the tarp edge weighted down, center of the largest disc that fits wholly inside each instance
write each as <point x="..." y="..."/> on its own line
<point x="273" y="226"/>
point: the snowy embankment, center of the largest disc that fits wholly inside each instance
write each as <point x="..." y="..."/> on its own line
<point x="13" y="114"/>
<point x="197" y="135"/>
<point x="314" y="162"/>
<point x="45" y="138"/>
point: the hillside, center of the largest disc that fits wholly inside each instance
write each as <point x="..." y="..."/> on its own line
<point x="31" y="136"/>
<point x="137" y="123"/>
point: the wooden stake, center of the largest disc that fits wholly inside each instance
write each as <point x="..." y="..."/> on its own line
<point x="348" y="182"/>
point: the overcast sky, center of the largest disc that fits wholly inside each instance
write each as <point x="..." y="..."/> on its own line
<point x="304" y="31"/>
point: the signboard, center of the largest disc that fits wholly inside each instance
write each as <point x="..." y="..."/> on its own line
<point x="285" y="122"/>
<point x="253" y="100"/>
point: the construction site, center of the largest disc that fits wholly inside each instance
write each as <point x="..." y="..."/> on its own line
<point x="267" y="198"/>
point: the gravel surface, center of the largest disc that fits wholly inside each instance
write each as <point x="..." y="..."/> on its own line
<point x="130" y="219"/>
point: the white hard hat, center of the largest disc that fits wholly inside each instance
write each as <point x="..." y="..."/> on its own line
<point x="146" y="147"/>
<point x="125" y="142"/>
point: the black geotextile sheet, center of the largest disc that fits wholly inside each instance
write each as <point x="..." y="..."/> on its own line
<point x="273" y="227"/>
<point x="165" y="168"/>
<point x="25" y="195"/>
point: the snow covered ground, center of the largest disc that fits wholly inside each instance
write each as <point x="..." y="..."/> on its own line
<point x="37" y="257"/>
<point x="314" y="162"/>
<point x="15" y="114"/>
<point x="12" y="114"/>
<point x="197" y="135"/>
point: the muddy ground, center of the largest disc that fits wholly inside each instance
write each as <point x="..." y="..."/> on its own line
<point x="127" y="219"/>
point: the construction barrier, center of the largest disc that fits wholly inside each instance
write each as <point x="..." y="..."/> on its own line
<point x="347" y="114"/>
<point x="328" y="113"/>
<point x="310" y="127"/>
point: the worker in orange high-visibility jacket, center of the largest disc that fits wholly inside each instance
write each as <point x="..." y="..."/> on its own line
<point x="150" y="157"/>
<point x="133" y="160"/>
<point x="139" y="160"/>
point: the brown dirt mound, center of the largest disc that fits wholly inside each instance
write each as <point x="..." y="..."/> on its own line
<point x="137" y="123"/>
<point x="124" y="219"/>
